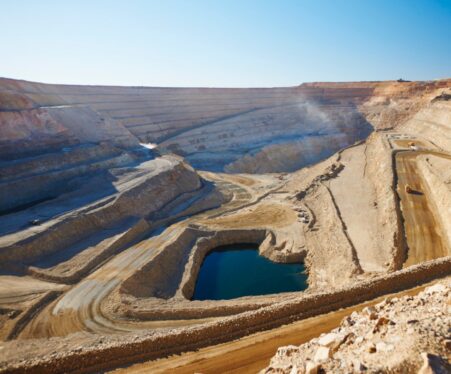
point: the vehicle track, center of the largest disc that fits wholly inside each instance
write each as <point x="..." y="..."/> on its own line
<point x="81" y="307"/>
<point x="252" y="353"/>
<point x="424" y="233"/>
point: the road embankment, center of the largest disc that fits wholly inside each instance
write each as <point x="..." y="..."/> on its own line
<point x="132" y="348"/>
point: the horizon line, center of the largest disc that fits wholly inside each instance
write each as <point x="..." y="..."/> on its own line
<point x="227" y="87"/>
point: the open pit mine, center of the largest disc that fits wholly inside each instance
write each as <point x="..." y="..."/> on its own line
<point x="199" y="229"/>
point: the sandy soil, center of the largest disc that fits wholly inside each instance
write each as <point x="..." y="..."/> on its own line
<point x="356" y="200"/>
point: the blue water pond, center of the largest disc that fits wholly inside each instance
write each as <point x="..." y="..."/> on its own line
<point x="238" y="270"/>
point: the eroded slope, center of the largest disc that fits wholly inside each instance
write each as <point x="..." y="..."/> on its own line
<point x="241" y="130"/>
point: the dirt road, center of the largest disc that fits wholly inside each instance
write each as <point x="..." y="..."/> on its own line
<point x="422" y="229"/>
<point x="252" y="353"/>
<point x="80" y="308"/>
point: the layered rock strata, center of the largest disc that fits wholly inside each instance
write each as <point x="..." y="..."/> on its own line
<point x="97" y="219"/>
<point x="236" y="129"/>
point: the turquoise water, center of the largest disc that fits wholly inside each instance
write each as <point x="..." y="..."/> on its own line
<point x="238" y="270"/>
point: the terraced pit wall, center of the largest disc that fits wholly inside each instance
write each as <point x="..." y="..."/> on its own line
<point x="138" y="201"/>
<point x="435" y="179"/>
<point x="211" y="127"/>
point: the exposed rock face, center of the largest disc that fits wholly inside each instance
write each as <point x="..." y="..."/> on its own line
<point x="31" y="131"/>
<point x="398" y="335"/>
<point x="256" y="141"/>
<point x="437" y="176"/>
<point x="47" y="176"/>
<point x="433" y="122"/>
<point x="210" y="127"/>
<point x="236" y="129"/>
<point x="128" y="197"/>
<point x="290" y="156"/>
<point x="388" y="229"/>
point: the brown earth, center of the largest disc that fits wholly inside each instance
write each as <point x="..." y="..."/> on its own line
<point x="425" y="237"/>
<point x="119" y="236"/>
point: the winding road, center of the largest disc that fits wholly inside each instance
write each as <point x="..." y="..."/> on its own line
<point x="80" y="309"/>
<point x="252" y="353"/>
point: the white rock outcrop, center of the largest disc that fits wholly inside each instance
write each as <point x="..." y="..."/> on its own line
<point x="399" y="335"/>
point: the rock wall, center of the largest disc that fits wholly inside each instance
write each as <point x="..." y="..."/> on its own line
<point x="174" y="270"/>
<point x="136" y="199"/>
<point x="238" y="130"/>
<point x="207" y="244"/>
<point x="433" y="122"/>
<point x="389" y="227"/>
<point x="161" y="277"/>
<point x="49" y="175"/>
<point x="72" y="270"/>
<point x="436" y="173"/>
<point x="290" y="156"/>
<point x="31" y="132"/>
<point x="258" y="140"/>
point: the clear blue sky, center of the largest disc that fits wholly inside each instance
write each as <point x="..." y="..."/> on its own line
<point x="227" y="43"/>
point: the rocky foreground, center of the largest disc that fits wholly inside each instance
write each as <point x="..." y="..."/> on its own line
<point x="398" y="335"/>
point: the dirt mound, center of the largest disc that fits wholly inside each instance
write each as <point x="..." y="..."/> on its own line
<point x="398" y="335"/>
